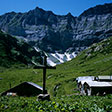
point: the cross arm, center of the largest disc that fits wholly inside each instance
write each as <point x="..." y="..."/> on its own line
<point x="42" y="66"/>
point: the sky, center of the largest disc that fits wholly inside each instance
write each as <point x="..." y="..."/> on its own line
<point x="59" y="7"/>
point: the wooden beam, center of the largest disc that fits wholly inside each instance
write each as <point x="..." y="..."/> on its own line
<point x="42" y="66"/>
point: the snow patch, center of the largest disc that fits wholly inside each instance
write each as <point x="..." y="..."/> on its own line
<point x="37" y="49"/>
<point x="61" y="58"/>
<point x="50" y="62"/>
<point x="54" y="59"/>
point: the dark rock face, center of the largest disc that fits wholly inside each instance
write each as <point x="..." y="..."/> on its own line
<point x="52" y="32"/>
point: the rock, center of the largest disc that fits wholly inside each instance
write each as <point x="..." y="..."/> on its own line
<point x="52" y="33"/>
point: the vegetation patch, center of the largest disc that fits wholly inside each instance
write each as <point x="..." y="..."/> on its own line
<point x="58" y="104"/>
<point x="61" y="83"/>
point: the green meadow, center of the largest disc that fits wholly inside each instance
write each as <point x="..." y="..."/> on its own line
<point x="61" y="85"/>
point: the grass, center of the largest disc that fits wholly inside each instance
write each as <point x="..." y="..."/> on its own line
<point x="15" y="51"/>
<point x="58" y="104"/>
<point x="97" y="60"/>
<point x="62" y="80"/>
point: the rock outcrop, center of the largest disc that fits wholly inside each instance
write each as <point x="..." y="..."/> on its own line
<point x="55" y="33"/>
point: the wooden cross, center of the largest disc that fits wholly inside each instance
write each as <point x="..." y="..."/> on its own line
<point x="44" y="67"/>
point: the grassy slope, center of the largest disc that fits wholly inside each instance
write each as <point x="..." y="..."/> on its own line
<point x="97" y="60"/>
<point x="14" y="51"/>
<point x="5" y="59"/>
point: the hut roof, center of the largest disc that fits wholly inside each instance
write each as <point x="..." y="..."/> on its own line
<point x="35" y="85"/>
<point x="25" y="89"/>
<point x="98" y="84"/>
<point x="85" y="78"/>
<point x="104" y="78"/>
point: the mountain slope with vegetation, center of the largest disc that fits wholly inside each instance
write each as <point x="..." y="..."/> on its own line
<point x="96" y="60"/>
<point x="15" y="51"/>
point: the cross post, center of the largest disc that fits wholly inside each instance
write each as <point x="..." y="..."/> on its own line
<point x="44" y="74"/>
<point x="44" y="67"/>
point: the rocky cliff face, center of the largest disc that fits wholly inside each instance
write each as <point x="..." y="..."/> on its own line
<point x="52" y="33"/>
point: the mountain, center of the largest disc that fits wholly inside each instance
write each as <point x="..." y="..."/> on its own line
<point x="54" y="33"/>
<point x="15" y="51"/>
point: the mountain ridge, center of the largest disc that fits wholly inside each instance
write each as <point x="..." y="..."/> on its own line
<point x="55" y="33"/>
<point x="104" y="9"/>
